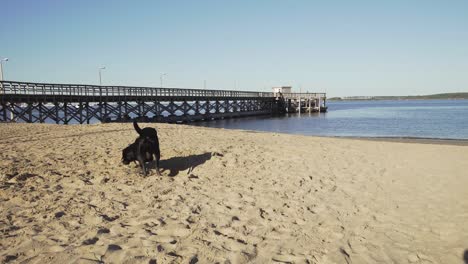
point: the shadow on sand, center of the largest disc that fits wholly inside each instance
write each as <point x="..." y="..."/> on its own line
<point x="465" y="256"/>
<point x="177" y="164"/>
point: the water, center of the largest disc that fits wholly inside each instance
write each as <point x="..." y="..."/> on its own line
<point x="447" y="119"/>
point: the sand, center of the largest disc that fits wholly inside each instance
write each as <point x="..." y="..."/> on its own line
<point x="228" y="196"/>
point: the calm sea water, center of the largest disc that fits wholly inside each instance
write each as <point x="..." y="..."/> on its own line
<point x="446" y="119"/>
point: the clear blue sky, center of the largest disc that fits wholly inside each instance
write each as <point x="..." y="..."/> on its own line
<point x="341" y="47"/>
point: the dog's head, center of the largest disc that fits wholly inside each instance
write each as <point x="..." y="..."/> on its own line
<point x="128" y="155"/>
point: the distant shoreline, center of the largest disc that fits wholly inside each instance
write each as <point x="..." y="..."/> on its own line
<point x="445" y="96"/>
<point x="394" y="99"/>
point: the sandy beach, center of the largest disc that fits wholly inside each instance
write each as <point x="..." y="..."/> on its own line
<point x="228" y="196"/>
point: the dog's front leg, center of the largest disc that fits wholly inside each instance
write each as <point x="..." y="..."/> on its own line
<point x="143" y="166"/>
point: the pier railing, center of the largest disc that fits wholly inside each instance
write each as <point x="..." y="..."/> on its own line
<point x="26" y="88"/>
<point x="304" y="95"/>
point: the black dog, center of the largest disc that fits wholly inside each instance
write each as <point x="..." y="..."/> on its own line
<point x="143" y="149"/>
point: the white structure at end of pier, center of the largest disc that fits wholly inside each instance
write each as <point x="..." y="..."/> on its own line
<point x="281" y="89"/>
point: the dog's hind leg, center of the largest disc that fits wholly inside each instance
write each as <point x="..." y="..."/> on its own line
<point x="158" y="157"/>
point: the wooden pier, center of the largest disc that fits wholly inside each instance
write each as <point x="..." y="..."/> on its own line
<point x="77" y="103"/>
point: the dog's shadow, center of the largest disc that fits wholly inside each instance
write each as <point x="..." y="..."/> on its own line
<point x="178" y="164"/>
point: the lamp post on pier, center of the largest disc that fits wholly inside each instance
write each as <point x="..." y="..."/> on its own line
<point x="100" y="77"/>
<point x="12" y="116"/>
<point x="161" y="78"/>
<point x="1" y="67"/>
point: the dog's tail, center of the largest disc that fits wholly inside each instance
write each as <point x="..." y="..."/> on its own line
<point x="137" y="128"/>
